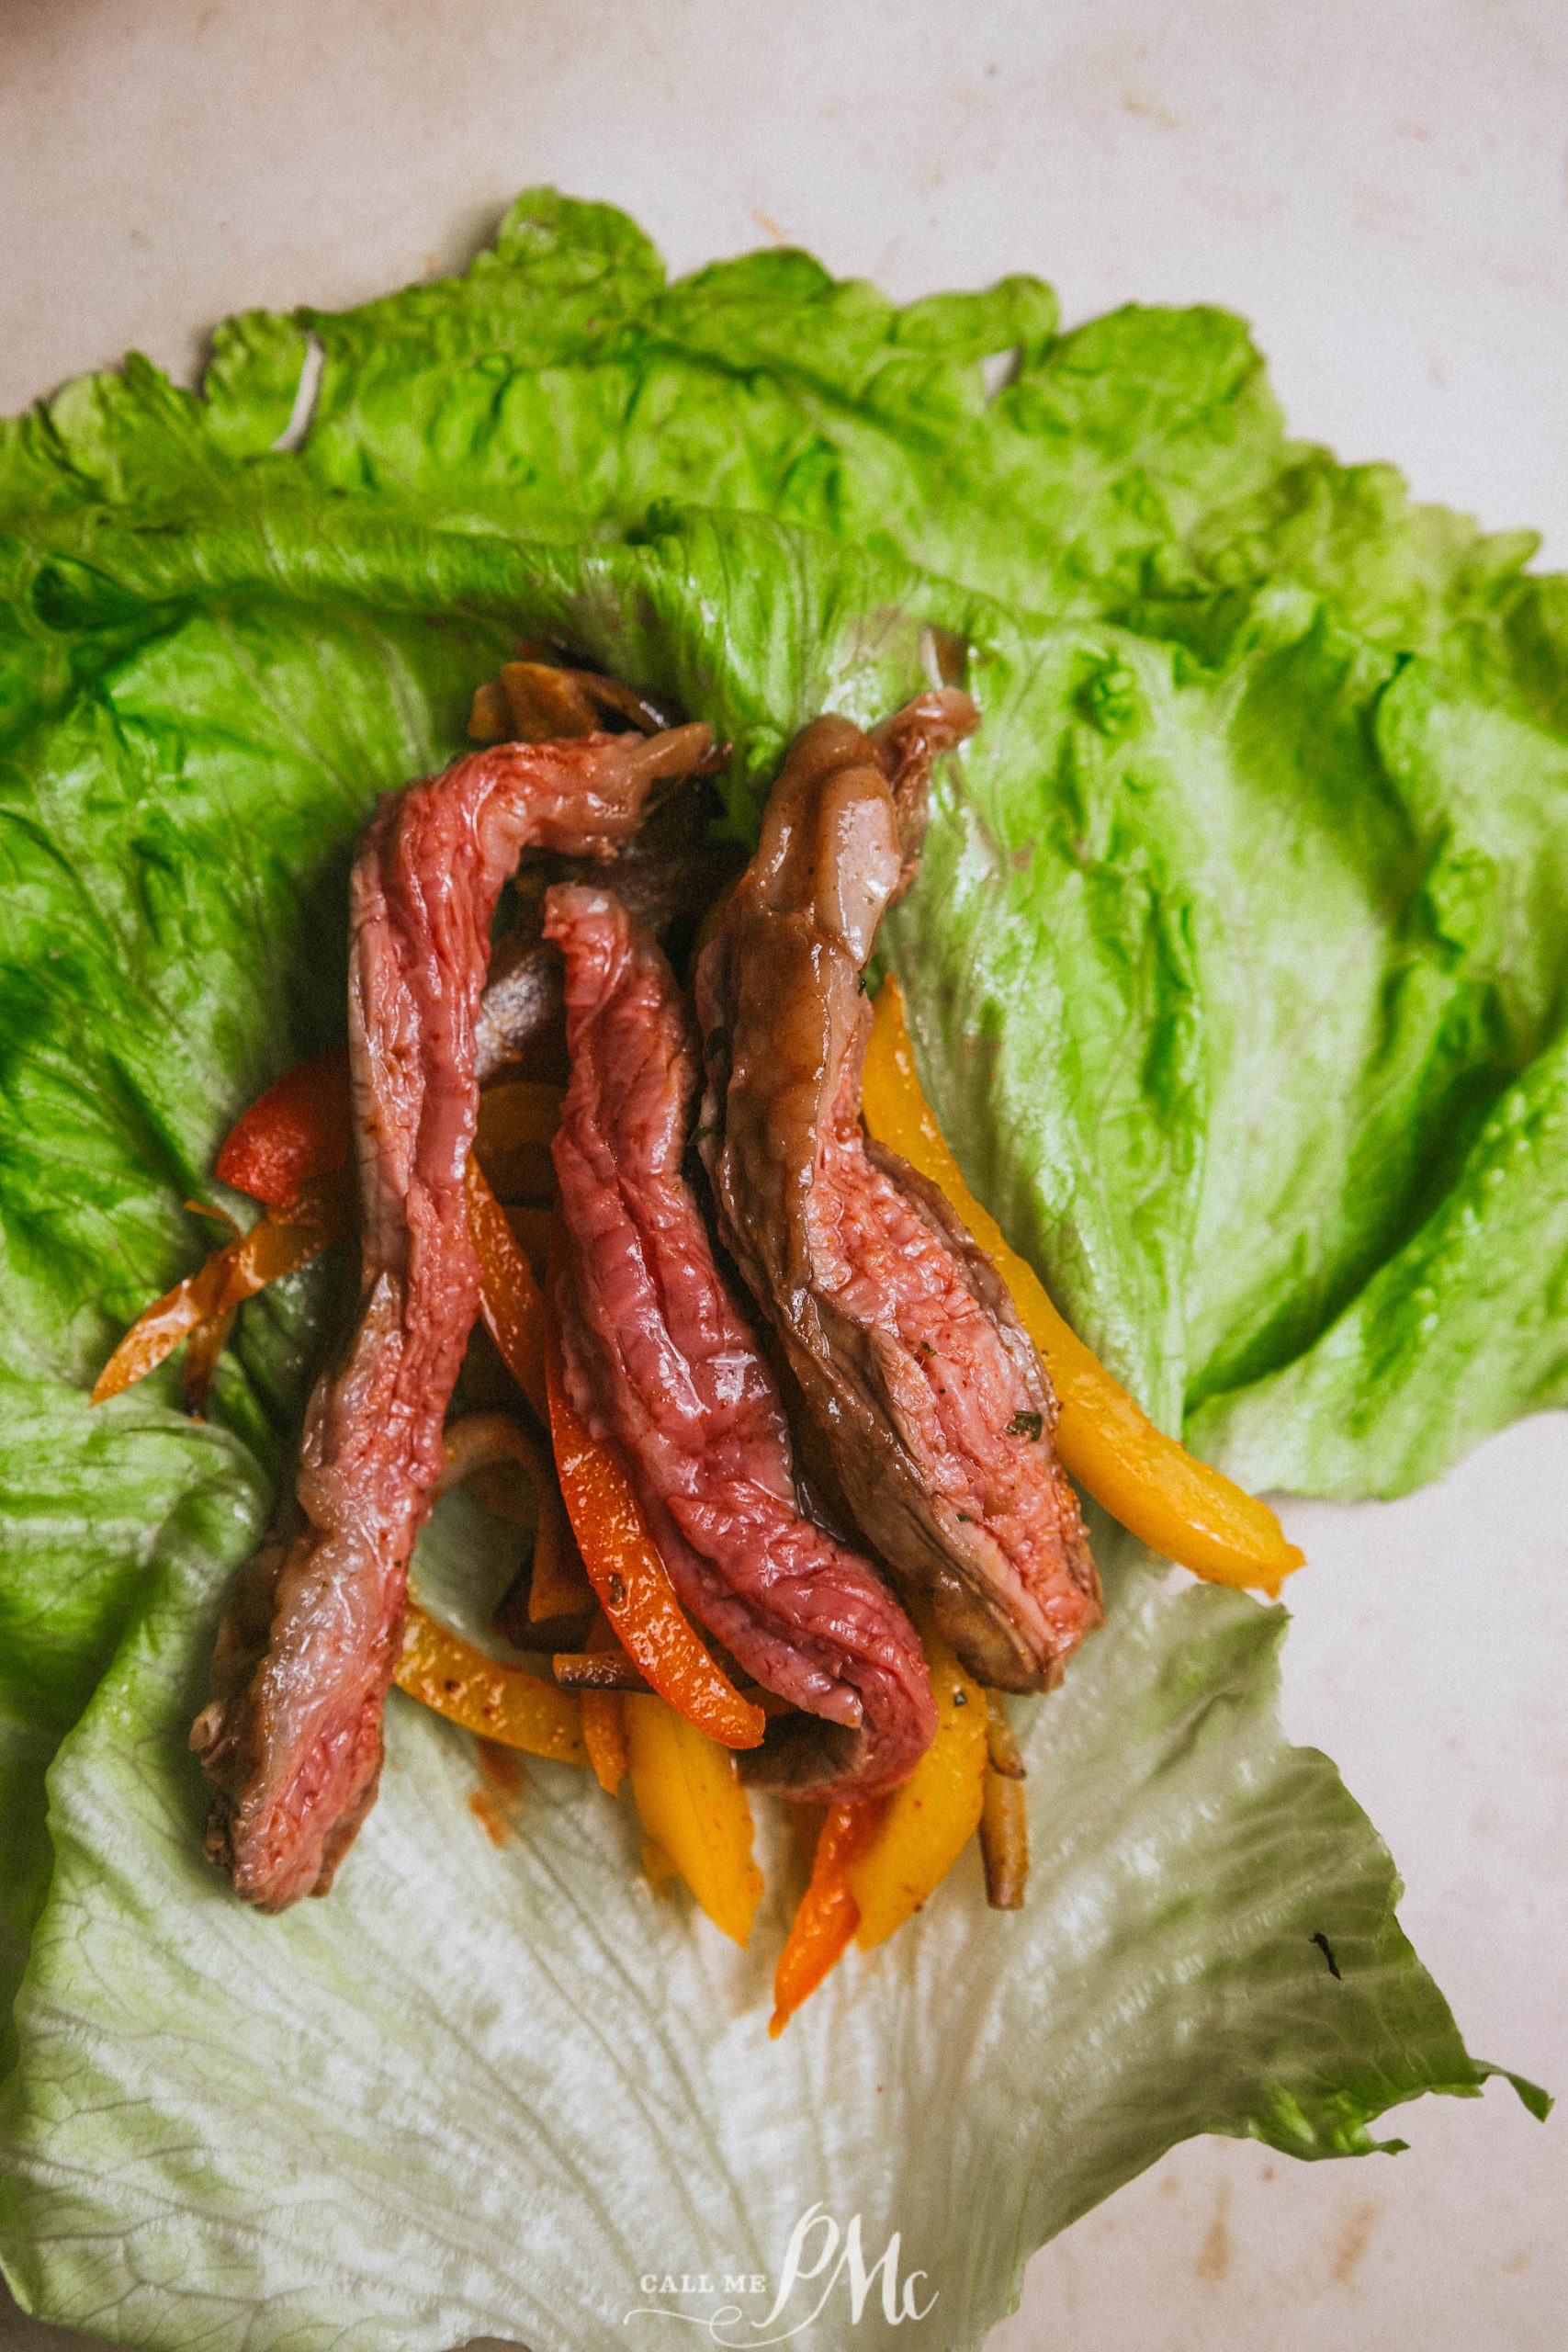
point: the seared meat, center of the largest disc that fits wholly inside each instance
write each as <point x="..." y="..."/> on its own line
<point x="902" y="1340"/>
<point x="658" y="1359"/>
<point x="667" y="876"/>
<point x="291" y="1740"/>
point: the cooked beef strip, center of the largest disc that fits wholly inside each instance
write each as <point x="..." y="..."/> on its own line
<point x="660" y="1361"/>
<point x="292" y="1740"/>
<point x="667" y="877"/>
<point x="903" y="1340"/>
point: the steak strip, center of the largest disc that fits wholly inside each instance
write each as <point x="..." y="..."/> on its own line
<point x="291" y="1738"/>
<point x="658" y="1359"/>
<point x="667" y="877"/>
<point x="903" y="1340"/>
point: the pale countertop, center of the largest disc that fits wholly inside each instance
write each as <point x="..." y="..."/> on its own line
<point x="1382" y="186"/>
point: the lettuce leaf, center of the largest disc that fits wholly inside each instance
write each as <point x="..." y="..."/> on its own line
<point x="1237" y="968"/>
<point x="487" y="2090"/>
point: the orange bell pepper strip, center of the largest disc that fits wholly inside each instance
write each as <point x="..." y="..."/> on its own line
<point x="1179" y="1506"/>
<point x="511" y="1142"/>
<point x="202" y="1307"/>
<point x="604" y="1721"/>
<point x="693" y="1810"/>
<point x="531" y="1225"/>
<point x="875" y="1864"/>
<point x="510" y="1300"/>
<point x="558" y="1583"/>
<point x="519" y="1111"/>
<point x="443" y="1671"/>
<point x="824" y="1926"/>
<point x="300" y="1129"/>
<point x="633" y="1583"/>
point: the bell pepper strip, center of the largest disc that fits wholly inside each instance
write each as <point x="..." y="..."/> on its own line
<point x="531" y="1230"/>
<point x="539" y="697"/>
<point x="550" y="1605"/>
<point x="931" y="1818"/>
<point x="693" y="1806"/>
<point x="558" y="1593"/>
<point x="498" y="1702"/>
<point x="202" y="1306"/>
<point x="875" y="1864"/>
<point x="159" y="1329"/>
<point x="1179" y="1506"/>
<point x="512" y="1143"/>
<point x="558" y="1587"/>
<point x="604" y="1737"/>
<point x="659" y="1870"/>
<point x="824" y="1926"/>
<point x="300" y="1129"/>
<point x="198" y="1369"/>
<point x="442" y="1671"/>
<point x="1004" y="1816"/>
<point x="1003" y="1755"/>
<point x="524" y="1177"/>
<point x="604" y="1721"/>
<point x="633" y="1583"/>
<point x="518" y="1111"/>
<point x="510" y="1300"/>
<point x="582" y="1670"/>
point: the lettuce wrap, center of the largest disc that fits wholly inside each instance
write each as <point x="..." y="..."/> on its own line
<point x="1236" y="969"/>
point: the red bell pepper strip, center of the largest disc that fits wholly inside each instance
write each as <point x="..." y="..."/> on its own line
<point x="300" y="1129"/>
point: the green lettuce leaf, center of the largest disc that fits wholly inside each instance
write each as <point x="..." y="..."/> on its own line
<point x="1236" y="970"/>
<point x="489" y="2089"/>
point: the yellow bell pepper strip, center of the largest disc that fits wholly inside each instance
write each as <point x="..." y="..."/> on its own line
<point x="633" y="1583"/>
<point x="876" y="1863"/>
<point x="1179" y="1506"/>
<point x="510" y="1300"/>
<point x="659" y="1870"/>
<point x="201" y="1308"/>
<point x="500" y="1702"/>
<point x="442" y="1671"/>
<point x="604" y="1721"/>
<point x="694" y="1810"/>
<point x="824" y="1926"/>
<point x="931" y="1818"/>
<point x="1004" y="1816"/>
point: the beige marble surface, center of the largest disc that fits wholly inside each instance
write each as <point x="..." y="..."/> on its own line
<point x="1383" y="186"/>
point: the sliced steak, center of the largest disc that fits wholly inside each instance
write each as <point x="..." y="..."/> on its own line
<point x="667" y="876"/>
<point x="659" y="1359"/>
<point x="292" y="1740"/>
<point x="902" y="1340"/>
